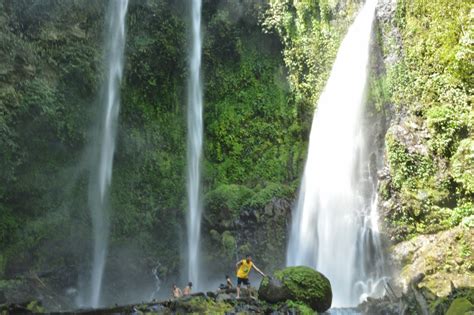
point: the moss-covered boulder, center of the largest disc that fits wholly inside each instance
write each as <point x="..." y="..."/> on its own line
<point x="298" y="284"/>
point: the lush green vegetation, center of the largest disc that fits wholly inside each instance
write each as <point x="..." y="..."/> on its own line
<point x="257" y="118"/>
<point x="430" y="151"/>
<point x="49" y="75"/>
<point x="310" y="38"/>
<point x="264" y="66"/>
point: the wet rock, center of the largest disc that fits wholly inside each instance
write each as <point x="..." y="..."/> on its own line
<point x="3" y="299"/>
<point x="246" y="309"/>
<point x="223" y="297"/>
<point x="272" y="290"/>
<point x="432" y="256"/>
<point x="379" y="306"/>
<point x="230" y="290"/>
<point x="198" y="294"/>
<point x="391" y="35"/>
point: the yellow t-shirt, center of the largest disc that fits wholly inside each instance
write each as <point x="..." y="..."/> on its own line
<point x="244" y="269"/>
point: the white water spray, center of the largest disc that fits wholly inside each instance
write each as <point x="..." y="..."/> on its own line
<point x="103" y="153"/>
<point x="194" y="152"/>
<point x="335" y="226"/>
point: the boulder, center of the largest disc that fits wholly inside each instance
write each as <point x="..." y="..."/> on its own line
<point x="272" y="290"/>
<point x="299" y="284"/>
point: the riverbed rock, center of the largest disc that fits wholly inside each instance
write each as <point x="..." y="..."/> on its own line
<point x="299" y="284"/>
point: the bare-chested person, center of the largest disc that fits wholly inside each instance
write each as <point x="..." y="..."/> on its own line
<point x="177" y="292"/>
<point x="187" y="289"/>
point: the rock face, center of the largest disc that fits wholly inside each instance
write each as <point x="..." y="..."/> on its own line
<point x="445" y="257"/>
<point x="247" y="229"/>
<point x="299" y="284"/>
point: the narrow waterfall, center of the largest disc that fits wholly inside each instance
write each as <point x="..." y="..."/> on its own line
<point x="194" y="151"/>
<point x="334" y="228"/>
<point x="104" y="142"/>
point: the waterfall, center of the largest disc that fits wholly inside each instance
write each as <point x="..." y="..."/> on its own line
<point x="334" y="228"/>
<point x="104" y="142"/>
<point x="194" y="150"/>
<point x="154" y="271"/>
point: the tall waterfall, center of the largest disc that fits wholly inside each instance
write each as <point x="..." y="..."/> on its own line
<point x="104" y="142"/>
<point x="194" y="150"/>
<point x="335" y="225"/>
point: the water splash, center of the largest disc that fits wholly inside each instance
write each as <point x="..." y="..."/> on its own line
<point x="194" y="151"/>
<point x="104" y="143"/>
<point x="335" y="224"/>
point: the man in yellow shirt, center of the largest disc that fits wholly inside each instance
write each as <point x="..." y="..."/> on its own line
<point x="243" y="269"/>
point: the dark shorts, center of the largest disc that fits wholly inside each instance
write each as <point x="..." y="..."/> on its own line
<point x="242" y="280"/>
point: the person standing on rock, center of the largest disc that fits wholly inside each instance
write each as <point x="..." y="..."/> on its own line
<point x="243" y="269"/>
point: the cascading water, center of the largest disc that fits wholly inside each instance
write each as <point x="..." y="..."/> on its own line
<point x="104" y="143"/>
<point x="194" y="152"/>
<point x="335" y="225"/>
<point x="154" y="271"/>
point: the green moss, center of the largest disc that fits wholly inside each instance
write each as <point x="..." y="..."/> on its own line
<point x="430" y="170"/>
<point x="35" y="307"/>
<point x="311" y="33"/>
<point x="229" y="243"/>
<point x="378" y="91"/>
<point x="462" y="165"/>
<point x="461" y="213"/>
<point x="305" y="284"/>
<point x="266" y="194"/>
<point x="300" y="308"/>
<point x="199" y="305"/>
<point x="223" y="203"/>
<point x="245" y="248"/>
<point x="460" y="306"/>
<point x="423" y="191"/>
<point x="446" y="125"/>
<point x="409" y="169"/>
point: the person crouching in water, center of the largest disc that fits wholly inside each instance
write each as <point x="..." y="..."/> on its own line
<point x="243" y="269"/>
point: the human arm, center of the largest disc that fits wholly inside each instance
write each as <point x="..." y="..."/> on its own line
<point x="237" y="265"/>
<point x="258" y="270"/>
